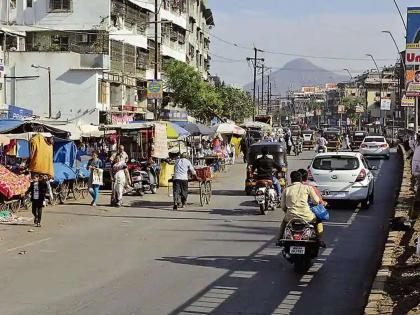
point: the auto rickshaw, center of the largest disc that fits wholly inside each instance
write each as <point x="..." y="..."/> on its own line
<point x="309" y="139"/>
<point x="277" y="151"/>
<point x="334" y="140"/>
<point x="357" y="139"/>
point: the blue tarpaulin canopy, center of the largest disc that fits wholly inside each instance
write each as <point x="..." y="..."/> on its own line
<point x="62" y="173"/>
<point x="65" y="151"/>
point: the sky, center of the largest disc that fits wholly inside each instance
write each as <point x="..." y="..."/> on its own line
<point x="344" y="29"/>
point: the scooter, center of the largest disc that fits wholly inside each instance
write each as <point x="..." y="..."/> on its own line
<point x="300" y="244"/>
<point x="265" y="196"/>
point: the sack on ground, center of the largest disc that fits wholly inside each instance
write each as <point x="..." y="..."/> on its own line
<point x="321" y="212"/>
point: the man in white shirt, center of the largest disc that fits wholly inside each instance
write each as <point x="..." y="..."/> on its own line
<point x="180" y="185"/>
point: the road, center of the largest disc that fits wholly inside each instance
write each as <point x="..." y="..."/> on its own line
<point x="147" y="259"/>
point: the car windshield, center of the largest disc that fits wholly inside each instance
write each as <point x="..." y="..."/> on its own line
<point x="375" y="139"/>
<point x="338" y="163"/>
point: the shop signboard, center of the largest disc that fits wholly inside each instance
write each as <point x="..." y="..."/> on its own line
<point x="408" y="102"/>
<point x="413" y="83"/>
<point x="160" y="142"/>
<point x="360" y="109"/>
<point x="412" y="57"/>
<point x="154" y="90"/>
<point x="16" y="112"/>
<point x="413" y="28"/>
<point x="385" y="103"/>
<point x="341" y="109"/>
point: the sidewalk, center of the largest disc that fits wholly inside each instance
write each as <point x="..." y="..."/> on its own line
<point x="396" y="288"/>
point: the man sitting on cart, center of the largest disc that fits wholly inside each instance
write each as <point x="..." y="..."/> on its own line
<point x="265" y="167"/>
<point x="180" y="184"/>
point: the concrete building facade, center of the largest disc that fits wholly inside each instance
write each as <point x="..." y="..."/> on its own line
<point x="101" y="51"/>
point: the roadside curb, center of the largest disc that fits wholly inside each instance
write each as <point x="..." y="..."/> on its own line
<point x="377" y="302"/>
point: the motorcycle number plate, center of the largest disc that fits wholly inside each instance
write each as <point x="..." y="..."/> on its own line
<point x="297" y="250"/>
<point x="260" y="197"/>
<point x="136" y="178"/>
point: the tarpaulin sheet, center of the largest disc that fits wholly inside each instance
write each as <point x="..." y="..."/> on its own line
<point x="22" y="149"/>
<point x="12" y="184"/>
<point x="83" y="171"/>
<point x="62" y="173"/>
<point x="65" y="151"/>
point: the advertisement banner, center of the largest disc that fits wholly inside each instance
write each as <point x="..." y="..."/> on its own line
<point x="413" y="28"/>
<point x="16" y="112"/>
<point x="385" y="104"/>
<point x="160" y="142"/>
<point x="154" y="90"/>
<point x="412" y="57"/>
<point x="408" y="102"/>
<point x="413" y="83"/>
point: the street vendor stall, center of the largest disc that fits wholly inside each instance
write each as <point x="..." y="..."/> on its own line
<point x="13" y="189"/>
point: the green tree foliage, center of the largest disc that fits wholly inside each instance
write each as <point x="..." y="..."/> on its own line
<point x="201" y="99"/>
<point x="350" y="104"/>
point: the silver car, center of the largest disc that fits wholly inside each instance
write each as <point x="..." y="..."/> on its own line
<point x="375" y="146"/>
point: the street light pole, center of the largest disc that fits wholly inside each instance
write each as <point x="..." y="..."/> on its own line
<point x="156" y="74"/>
<point x="348" y="71"/>
<point x="401" y="16"/>
<point x="380" y="78"/>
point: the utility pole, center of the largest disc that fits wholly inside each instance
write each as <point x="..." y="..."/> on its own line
<point x="258" y="102"/>
<point x="156" y="54"/>
<point x="262" y="84"/>
<point x="255" y="60"/>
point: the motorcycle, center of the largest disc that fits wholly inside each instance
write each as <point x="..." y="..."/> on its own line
<point x="300" y="244"/>
<point x="265" y="196"/>
<point x="298" y="147"/>
<point x="143" y="177"/>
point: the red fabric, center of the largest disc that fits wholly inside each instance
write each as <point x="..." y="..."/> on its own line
<point x="10" y="146"/>
<point x="12" y="184"/>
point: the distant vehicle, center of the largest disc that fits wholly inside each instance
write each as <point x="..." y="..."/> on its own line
<point x="357" y="139"/>
<point x="375" y="146"/>
<point x="295" y="130"/>
<point x="343" y="176"/>
<point x="267" y="119"/>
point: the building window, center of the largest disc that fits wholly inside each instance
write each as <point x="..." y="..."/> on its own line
<point x="103" y="92"/>
<point x="60" y="43"/>
<point x="60" y="5"/>
<point x="29" y="3"/>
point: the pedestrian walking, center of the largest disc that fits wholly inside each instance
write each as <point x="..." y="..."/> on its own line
<point x="38" y="190"/>
<point x="119" y="171"/>
<point x="180" y="184"/>
<point x="96" y="177"/>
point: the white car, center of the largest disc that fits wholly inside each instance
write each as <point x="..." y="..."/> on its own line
<point x="343" y="176"/>
<point x="375" y="146"/>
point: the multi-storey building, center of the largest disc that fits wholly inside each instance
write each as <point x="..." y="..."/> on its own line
<point x="100" y="53"/>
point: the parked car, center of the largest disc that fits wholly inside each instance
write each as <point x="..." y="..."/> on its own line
<point x="375" y="146"/>
<point x="343" y="176"/>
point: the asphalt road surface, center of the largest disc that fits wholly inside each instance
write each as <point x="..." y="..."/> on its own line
<point x="145" y="258"/>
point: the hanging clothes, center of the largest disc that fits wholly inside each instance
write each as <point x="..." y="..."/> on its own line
<point x="41" y="156"/>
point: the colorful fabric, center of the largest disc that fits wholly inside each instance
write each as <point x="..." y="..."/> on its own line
<point x="41" y="156"/>
<point x="12" y="184"/>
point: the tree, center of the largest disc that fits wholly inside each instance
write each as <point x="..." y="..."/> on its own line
<point x="202" y="100"/>
<point x="350" y="104"/>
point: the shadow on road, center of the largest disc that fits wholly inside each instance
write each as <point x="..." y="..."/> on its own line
<point x="228" y="192"/>
<point x="235" y="292"/>
<point x="147" y="204"/>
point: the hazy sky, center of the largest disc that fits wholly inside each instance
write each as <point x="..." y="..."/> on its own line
<point x="326" y="28"/>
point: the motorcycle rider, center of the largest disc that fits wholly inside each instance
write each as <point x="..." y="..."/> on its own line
<point x="264" y="167"/>
<point x="295" y="203"/>
<point x="322" y="142"/>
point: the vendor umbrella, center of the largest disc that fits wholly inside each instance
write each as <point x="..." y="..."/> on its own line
<point x="174" y="131"/>
<point x="195" y="129"/>
<point x="229" y="129"/>
<point x="257" y="125"/>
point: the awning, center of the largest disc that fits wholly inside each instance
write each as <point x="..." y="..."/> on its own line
<point x="8" y="126"/>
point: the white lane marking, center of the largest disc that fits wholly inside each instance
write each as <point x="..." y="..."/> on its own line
<point x="28" y="244"/>
<point x="353" y="217"/>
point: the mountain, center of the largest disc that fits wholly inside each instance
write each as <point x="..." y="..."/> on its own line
<point x="296" y="74"/>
